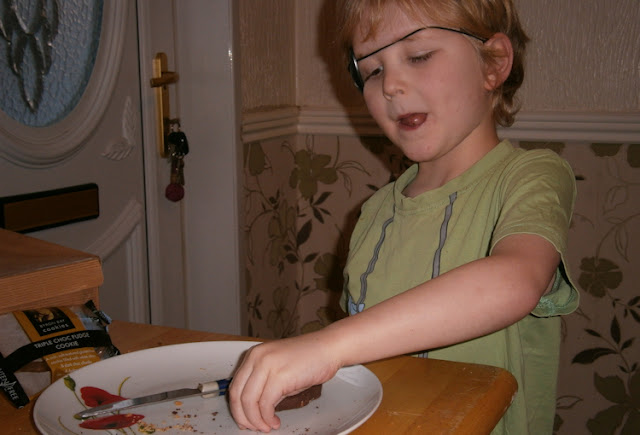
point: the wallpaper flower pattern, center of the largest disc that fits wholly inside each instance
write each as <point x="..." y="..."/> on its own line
<point x="599" y="388"/>
<point x="302" y="195"/>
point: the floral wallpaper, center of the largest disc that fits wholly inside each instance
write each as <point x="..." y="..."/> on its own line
<point x="302" y="195"/>
<point x="599" y="385"/>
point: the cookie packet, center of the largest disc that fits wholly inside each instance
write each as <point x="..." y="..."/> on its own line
<point x="39" y="346"/>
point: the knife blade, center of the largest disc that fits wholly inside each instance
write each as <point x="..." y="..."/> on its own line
<point x="206" y="390"/>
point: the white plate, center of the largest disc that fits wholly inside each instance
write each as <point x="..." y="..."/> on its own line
<point x="347" y="400"/>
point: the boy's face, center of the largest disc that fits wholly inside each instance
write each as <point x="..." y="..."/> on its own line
<point x="426" y="91"/>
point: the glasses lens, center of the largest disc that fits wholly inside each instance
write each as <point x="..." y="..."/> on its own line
<point x="355" y="72"/>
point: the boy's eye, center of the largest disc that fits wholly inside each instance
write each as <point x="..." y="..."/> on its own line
<point x="370" y="71"/>
<point x="421" y="58"/>
<point x="377" y="71"/>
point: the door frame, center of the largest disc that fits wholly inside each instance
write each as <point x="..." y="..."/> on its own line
<point x="208" y="219"/>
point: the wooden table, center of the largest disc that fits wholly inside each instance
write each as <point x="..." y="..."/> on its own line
<point x="419" y="395"/>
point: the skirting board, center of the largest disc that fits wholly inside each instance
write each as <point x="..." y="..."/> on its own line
<point x="543" y="126"/>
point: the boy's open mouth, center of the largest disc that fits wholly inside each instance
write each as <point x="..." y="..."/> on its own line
<point x="412" y="119"/>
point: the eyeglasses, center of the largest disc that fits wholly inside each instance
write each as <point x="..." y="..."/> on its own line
<point x="353" y="61"/>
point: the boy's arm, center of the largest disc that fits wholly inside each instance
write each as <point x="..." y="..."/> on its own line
<point x="472" y="300"/>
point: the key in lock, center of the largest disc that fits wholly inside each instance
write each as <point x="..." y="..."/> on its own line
<point x="179" y="147"/>
<point x="178" y="143"/>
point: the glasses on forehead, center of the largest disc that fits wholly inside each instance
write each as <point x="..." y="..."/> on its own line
<point x="353" y="60"/>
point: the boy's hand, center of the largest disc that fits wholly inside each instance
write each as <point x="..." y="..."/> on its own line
<point x="271" y="371"/>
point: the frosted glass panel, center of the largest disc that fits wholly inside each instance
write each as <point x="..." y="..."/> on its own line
<point x="46" y="56"/>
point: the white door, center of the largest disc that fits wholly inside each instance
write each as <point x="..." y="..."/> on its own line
<point x="62" y="143"/>
<point x="199" y="236"/>
<point x="170" y="263"/>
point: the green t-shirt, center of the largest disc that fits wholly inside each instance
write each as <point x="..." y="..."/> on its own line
<point x="400" y="242"/>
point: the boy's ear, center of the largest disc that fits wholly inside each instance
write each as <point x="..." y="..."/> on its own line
<point x="499" y="67"/>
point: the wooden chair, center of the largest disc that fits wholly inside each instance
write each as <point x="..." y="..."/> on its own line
<point x="38" y="274"/>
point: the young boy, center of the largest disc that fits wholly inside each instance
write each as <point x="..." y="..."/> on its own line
<point x="461" y="258"/>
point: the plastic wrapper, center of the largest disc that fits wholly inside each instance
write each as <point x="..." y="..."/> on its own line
<point x="42" y="345"/>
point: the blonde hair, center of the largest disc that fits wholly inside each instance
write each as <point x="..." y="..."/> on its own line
<point x="483" y="18"/>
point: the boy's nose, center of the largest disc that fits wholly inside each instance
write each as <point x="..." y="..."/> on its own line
<point x="393" y="84"/>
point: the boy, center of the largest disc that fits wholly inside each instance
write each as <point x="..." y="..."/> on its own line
<point x="462" y="257"/>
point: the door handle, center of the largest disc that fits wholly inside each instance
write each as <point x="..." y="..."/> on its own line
<point x="160" y="80"/>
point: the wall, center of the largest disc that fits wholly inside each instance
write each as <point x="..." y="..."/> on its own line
<point x="584" y="56"/>
<point x="312" y="155"/>
<point x="267" y="57"/>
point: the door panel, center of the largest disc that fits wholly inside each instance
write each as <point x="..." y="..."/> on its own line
<point x="99" y="142"/>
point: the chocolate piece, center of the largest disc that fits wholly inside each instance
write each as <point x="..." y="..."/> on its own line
<point x="301" y="399"/>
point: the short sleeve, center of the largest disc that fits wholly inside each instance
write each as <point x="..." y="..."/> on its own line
<point x="563" y="298"/>
<point x="538" y="197"/>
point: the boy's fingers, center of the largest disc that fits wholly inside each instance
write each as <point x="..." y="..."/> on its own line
<point x="245" y="403"/>
<point x="267" y="404"/>
<point x="252" y="411"/>
<point x="235" y="392"/>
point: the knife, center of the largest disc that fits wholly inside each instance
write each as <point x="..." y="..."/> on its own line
<point x="206" y="390"/>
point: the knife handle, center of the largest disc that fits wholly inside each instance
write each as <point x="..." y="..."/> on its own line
<point x="214" y="388"/>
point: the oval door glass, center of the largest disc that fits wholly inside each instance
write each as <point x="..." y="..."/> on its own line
<point x="47" y="52"/>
